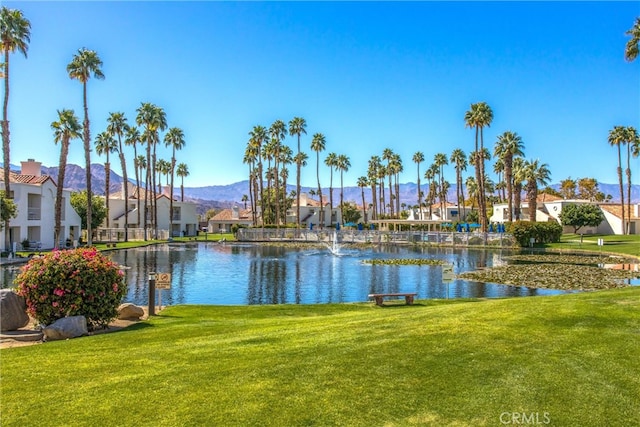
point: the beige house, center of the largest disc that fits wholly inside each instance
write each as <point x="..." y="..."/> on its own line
<point x="185" y="216"/>
<point x="35" y="196"/>
<point x="310" y="211"/>
<point x="224" y="220"/>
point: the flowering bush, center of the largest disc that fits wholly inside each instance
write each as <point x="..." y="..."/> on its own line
<point x="72" y="283"/>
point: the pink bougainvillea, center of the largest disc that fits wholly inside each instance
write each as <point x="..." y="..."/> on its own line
<point x="70" y="283"/>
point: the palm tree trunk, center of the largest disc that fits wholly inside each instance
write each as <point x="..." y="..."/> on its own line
<point x="147" y="196"/>
<point x="173" y="167"/>
<point x="628" y="173"/>
<point x="509" y="179"/>
<point x="6" y="146"/>
<point x="331" y="195"/>
<point x="62" y="167"/>
<point x="341" y="199"/>
<point x="298" y="166"/>
<point x="483" y="208"/>
<point x="107" y="171"/>
<point x="154" y="204"/>
<point x="87" y="158"/>
<point x="123" y="164"/>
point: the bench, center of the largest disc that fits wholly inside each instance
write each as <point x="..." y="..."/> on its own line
<point x="379" y="297"/>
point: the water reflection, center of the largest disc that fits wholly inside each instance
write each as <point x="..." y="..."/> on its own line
<point x="211" y="273"/>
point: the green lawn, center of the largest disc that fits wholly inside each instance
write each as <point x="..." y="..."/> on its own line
<point x="574" y="357"/>
<point x="628" y="245"/>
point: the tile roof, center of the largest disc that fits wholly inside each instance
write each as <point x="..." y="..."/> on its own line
<point x="616" y="210"/>
<point x="227" y="215"/>
<point x="26" y="179"/>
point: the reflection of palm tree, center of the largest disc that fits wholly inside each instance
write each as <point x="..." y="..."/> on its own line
<point x="105" y="144"/>
<point x="83" y="65"/>
<point x="15" y="35"/>
<point x="64" y="130"/>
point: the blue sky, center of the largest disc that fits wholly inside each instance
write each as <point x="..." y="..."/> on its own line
<point x="368" y="75"/>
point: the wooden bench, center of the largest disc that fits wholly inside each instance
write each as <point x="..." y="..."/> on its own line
<point x="380" y="297"/>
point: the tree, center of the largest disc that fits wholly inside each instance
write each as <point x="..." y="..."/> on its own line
<point x="508" y="146"/>
<point x="372" y="175"/>
<point x="631" y="140"/>
<point x="15" y="35"/>
<point x="85" y="64"/>
<point x="154" y="119"/>
<point x="332" y="161"/>
<point x="418" y="157"/>
<point x="568" y="188"/>
<point x="343" y="164"/>
<point x="297" y="126"/>
<point x="362" y="183"/>
<point x="132" y="139"/>
<point x="581" y="215"/>
<point x="318" y="144"/>
<point x="536" y="174"/>
<point x="588" y="189"/>
<point x="64" y="130"/>
<point x="182" y="172"/>
<point x="117" y="126"/>
<point x="8" y="209"/>
<point x="244" y="200"/>
<point x="387" y="154"/>
<point x="351" y="213"/>
<point x="439" y="160"/>
<point x="257" y="137"/>
<point x="479" y="116"/>
<point x="105" y="144"/>
<point x="174" y="138"/>
<point x="98" y="210"/>
<point x="518" y="178"/>
<point x="617" y="137"/>
<point x="278" y="132"/>
<point x="459" y="159"/>
<point x="632" y="47"/>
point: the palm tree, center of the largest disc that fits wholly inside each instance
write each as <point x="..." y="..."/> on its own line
<point x="244" y="199"/>
<point x="508" y="146"/>
<point x="472" y="190"/>
<point x="332" y="161"/>
<point x="162" y="168"/>
<point x="372" y="174"/>
<point x="418" y="157"/>
<point x="183" y="171"/>
<point x="257" y="137"/>
<point x="133" y="138"/>
<point x="343" y="164"/>
<point x="568" y="188"/>
<point x="297" y="126"/>
<point x="631" y="50"/>
<point x="439" y="160"/>
<point x="85" y="64"/>
<point x="396" y="169"/>
<point x="250" y="157"/>
<point x="64" y="130"/>
<point x="479" y="116"/>
<point x="174" y="138"/>
<point x="153" y="119"/>
<point x="459" y="159"/>
<point x="617" y="137"/>
<point x="536" y="174"/>
<point x="118" y="127"/>
<point x="106" y="144"/>
<point x="285" y="158"/>
<point x="518" y="178"/>
<point x="318" y="144"/>
<point x="278" y="132"/>
<point x="387" y="154"/>
<point x="362" y="183"/>
<point x="15" y="35"/>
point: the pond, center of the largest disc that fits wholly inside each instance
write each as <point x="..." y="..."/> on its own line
<point x="245" y="274"/>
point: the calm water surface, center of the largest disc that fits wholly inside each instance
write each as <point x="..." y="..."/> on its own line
<point x="211" y="273"/>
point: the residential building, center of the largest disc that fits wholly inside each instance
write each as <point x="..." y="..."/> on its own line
<point x="224" y="220"/>
<point x="310" y="210"/>
<point x="35" y="196"/>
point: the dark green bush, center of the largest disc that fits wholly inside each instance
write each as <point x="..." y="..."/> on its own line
<point x="541" y="232"/>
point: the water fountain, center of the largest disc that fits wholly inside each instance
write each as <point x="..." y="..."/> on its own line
<point x="334" y="247"/>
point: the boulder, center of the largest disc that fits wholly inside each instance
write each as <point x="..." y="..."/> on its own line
<point x="67" y="327"/>
<point x="130" y="311"/>
<point x="13" y="311"/>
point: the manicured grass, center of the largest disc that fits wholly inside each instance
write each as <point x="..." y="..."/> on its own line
<point x="629" y="245"/>
<point x="463" y="362"/>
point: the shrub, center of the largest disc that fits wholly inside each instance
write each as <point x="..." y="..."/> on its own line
<point x="541" y="232"/>
<point x="71" y="283"/>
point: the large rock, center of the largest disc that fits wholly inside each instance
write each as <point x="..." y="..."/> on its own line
<point x="130" y="311"/>
<point x="13" y="311"/>
<point x="67" y="327"/>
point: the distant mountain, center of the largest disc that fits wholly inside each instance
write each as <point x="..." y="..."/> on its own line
<point x="224" y="196"/>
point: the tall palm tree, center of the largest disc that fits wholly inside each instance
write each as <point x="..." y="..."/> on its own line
<point x="633" y="45"/>
<point x="106" y="144"/>
<point x="536" y="174"/>
<point x="397" y="169"/>
<point x="479" y="116"/>
<point x="132" y="139"/>
<point x="153" y="119"/>
<point x="277" y="132"/>
<point x="86" y="63"/>
<point x="372" y="175"/>
<point x="617" y="137"/>
<point x="343" y="164"/>
<point x="117" y="126"/>
<point x="332" y="161"/>
<point x="250" y="157"/>
<point x="430" y="175"/>
<point x="244" y="200"/>
<point x="257" y="137"/>
<point x="318" y="144"/>
<point x="64" y="130"/>
<point x="459" y="159"/>
<point x="285" y="158"/>
<point x="362" y="183"/>
<point x="15" y="35"/>
<point x="297" y="126"/>
<point x="268" y="153"/>
<point x="183" y="171"/>
<point x="472" y="190"/>
<point x="387" y="154"/>
<point x="162" y="168"/>
<point x="440" y="160"/>
<point x="418" y="157"/>
<point x="518" y="177"/>
<point x="508" y="146"/>
<point x="568" y="188"/>
<point x="174" y="138"/>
